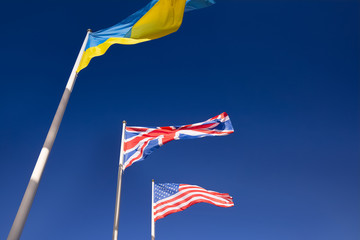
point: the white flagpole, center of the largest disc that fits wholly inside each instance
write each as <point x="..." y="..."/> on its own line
<point x="152" y="213"/>
<point x="28" y="198"/>
<point x="118" y="189"/>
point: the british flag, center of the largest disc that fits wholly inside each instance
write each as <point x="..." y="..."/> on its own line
<point x="140" y="142"/>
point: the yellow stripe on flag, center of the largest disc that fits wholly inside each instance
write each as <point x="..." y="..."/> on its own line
<point x="163" y="18"/>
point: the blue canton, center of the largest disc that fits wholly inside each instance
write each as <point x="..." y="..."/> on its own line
<point x="164" y="190"/>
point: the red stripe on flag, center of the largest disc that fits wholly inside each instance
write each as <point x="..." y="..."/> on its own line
<point x="129" y="163"/>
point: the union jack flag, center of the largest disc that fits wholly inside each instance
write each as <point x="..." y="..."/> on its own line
<point x="140" y="142"/>
<point x="170" y="198"/>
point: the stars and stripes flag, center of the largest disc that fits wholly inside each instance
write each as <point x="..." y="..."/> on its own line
<point x="170" y="198"/>
<point x="142" y="141"/>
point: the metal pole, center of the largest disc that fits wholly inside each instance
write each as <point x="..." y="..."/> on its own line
<point x="28" y="198"/>
<point x="118" y="188"/>
<point x="152" y="212"/>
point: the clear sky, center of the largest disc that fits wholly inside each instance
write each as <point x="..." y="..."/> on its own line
<point x="287" y="73"/>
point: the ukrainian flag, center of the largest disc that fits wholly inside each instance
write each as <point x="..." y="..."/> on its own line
<point x="159" y="18"/>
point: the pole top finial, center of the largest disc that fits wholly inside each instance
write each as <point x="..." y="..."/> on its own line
<point x="89" y="30"/>
<point x="152" y="180"/>
<point x="124" y="121"/>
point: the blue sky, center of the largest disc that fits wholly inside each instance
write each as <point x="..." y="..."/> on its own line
<point x="287" y="73"/>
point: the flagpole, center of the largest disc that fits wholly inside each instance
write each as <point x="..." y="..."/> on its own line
<point x="118" y="188"/>
<point x="28" y="198"/>
<point x="152" y="212"/>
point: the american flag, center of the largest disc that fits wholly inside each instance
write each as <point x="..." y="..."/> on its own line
<point x="142" y="141"/>
<point x="171" y="197"/>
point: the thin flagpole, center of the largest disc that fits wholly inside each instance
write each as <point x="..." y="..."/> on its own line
<point x="118" y="188"/>
<point x="28" y="198"/>
<point x="152" y="213"/>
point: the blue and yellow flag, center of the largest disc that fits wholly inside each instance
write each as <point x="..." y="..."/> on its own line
<point x="159" y="18"/>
